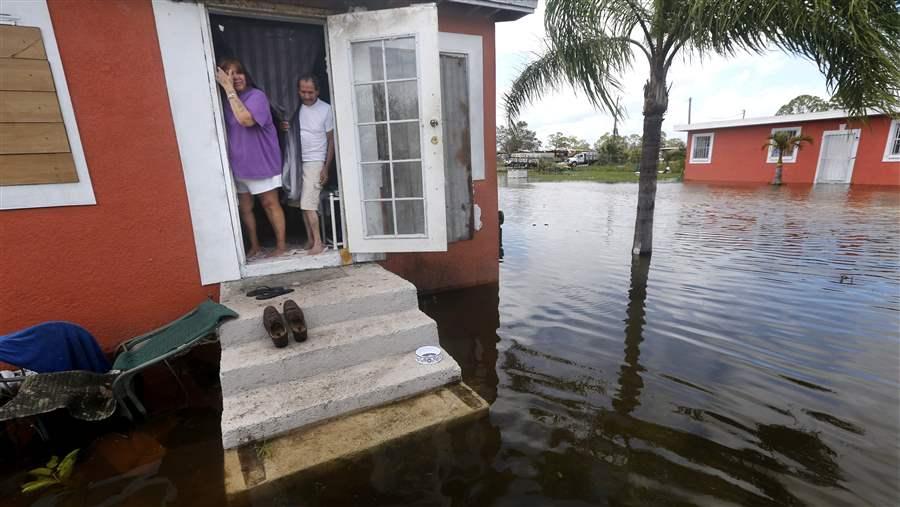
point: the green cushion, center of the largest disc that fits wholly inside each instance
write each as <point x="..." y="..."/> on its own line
<point x="197" y="324"/>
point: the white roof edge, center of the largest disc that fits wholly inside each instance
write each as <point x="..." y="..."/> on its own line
<point x="526" y="6"/>
<point x="771" y="120"/>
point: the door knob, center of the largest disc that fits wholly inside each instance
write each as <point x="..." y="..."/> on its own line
<point x="434" y="123"/>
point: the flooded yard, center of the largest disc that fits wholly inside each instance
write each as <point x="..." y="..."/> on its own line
<point x="755" y="360"/>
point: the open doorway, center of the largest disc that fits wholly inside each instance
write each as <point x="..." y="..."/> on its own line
<point x="274" y="55"/>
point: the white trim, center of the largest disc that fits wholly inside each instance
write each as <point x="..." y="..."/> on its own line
<point x="525" y="6"/>
<point x="772" y="159"/>
<point x="853" y="150"/>
<point x="287" y="264"/>
<point x="471" y="46"/>
<point x="770" y="120"/>
<point x="185" y="52"/>
<point x="35" y="13"/>
<point x="708" y="159"/>
<point x="888" y="157"/>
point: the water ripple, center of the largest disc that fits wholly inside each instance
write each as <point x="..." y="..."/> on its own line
<point x="741" y="366"/>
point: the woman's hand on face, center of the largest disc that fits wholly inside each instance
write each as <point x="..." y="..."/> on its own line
<point x="224" y="79"/>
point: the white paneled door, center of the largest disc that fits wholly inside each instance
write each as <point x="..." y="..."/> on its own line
<point x="387" y="102"/>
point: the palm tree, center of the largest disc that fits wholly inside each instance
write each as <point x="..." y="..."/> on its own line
<point x="784" y="141"/>
<point x="591" y="43"/>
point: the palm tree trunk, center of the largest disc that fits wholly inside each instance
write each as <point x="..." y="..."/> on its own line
<point x="656" y="102"/>
<point x="778" y="167"/>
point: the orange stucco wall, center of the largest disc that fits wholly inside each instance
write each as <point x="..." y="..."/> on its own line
<point x="127" y="264"/>
<point x="738" y="155"/>
<point x="475" y="261"/>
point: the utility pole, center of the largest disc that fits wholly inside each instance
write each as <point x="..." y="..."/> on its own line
<point x="689" y="109"/>
<point x="743" y="113"/>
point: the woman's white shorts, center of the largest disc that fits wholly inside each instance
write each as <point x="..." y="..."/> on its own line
<point x="257" y="187"/>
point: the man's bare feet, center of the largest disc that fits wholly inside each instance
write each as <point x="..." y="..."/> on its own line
<point x="252" y="253"/>
<point x="307" y="245"/>
<point x="278" y="252"/>
<point x="316" y="249"/>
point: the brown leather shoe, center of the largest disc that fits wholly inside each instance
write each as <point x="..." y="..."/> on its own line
<point x="295" y="320"/>
<point x="274" y="325"/>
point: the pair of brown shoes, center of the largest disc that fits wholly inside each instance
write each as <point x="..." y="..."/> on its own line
<point x="278" y="326"/>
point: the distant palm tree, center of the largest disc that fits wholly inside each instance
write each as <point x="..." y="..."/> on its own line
<point x="592" y="43"/>
<point x="784" y="141"/>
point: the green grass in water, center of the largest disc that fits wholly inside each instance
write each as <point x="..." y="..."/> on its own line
<point x="602" y="174"/>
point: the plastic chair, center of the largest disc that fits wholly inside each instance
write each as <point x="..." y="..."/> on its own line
<point x="197" y="327"/>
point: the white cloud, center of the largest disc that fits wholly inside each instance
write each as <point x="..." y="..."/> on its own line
<point x="721" y="88"/>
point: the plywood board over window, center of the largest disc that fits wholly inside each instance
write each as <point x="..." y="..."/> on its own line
<point x="34" y="146"/>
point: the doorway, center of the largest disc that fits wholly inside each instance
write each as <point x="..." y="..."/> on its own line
<point x="275" y="53"/>
<point x="837" y="156"/>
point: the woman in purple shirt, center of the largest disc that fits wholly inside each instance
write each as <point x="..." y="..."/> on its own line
<point x="253" y="152"/>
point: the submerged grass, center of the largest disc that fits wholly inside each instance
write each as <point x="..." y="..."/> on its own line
<point x="602" y="174"/>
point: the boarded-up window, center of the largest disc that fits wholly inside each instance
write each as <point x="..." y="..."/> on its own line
<point x="457" y="146"/>
<point x="34" y="147"/>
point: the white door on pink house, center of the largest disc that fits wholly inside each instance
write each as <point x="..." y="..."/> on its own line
<point x="837" y="156"/>
<point x="385" y="71"/>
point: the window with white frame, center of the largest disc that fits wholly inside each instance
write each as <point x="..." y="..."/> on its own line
<point x="43" y="163"/>
<point x="772" y="155"/>
<point x="701" y="148"/>
<point x="892" y="149"/>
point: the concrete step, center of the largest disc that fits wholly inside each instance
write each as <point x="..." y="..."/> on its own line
<point x="272" y="410"/>
<point x="250" y="475"/>
<point x="257" y="363"/>
<point x="326" y="296"/>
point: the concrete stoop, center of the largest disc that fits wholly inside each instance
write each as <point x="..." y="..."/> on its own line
<point x="364" y="327"/>
<point x="261" y="467"/>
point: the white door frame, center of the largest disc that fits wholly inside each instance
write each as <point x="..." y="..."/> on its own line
<point x="186" y="48"/>
<point x="288" y="263"/>
<point x="856" y="134"/>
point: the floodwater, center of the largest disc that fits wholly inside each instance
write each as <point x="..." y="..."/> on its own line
<point x="754" y="360"/>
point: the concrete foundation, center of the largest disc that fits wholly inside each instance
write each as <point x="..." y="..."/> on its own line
<point x="266" y="464"/>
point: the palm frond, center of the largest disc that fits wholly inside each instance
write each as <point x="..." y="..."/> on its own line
<point x="590" y="61"/>
<point x="785" y="141"/>
<point x="580" y="19"/>
<point x="855" y="43"/>
<point x="535" y="79"/>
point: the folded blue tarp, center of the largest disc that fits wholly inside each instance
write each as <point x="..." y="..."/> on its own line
<point x="53" y="346"/>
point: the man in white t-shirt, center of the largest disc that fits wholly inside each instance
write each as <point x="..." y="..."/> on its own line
<point x="317" y="152"/>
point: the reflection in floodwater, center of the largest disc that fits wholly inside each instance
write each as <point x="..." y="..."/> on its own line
<point x="630" y="382"/>
<point x="754" y="346"/>
<point x="632" y="454"/>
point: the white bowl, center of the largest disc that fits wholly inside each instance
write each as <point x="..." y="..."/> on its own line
<point x="429" y="354"/>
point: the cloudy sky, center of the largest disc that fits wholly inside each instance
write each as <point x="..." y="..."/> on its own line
<point x="722" y="88"/>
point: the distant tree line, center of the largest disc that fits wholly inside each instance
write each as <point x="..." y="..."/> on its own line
<point x="802" y="104"/>
<point x="517" y="137"/>
<point x="611" y="149"/>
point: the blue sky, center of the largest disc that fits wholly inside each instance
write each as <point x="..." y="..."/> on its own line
<point x="722" y="88"/>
